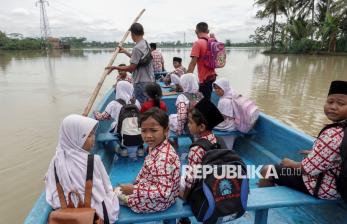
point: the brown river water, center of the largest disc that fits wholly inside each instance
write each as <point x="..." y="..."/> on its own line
<point x="37" y="90"/>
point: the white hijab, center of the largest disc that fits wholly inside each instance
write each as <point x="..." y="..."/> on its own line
<point x="189" y="83"/>
<point x="70" y="161"/>
<point x="224" y="104"/>
<point x="124" y="91"/>
<point x="175" y="79"/>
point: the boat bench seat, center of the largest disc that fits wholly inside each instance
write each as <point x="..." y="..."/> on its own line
<point x="109" y="137"/>
<point x="221" y="133"/>
<point x="260" y="200"/>
<point x="106" y="137"/>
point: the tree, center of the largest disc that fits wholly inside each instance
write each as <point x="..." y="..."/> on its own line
<point x="304" y="8"/>
<point x="272" y="8"/>
<point x="227" y="43"/>
<point x="300" y="28"/>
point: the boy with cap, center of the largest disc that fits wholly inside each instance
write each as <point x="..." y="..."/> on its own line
<point x="201" y="120"/>
<point x="323" y="163"/>
<point x="177" y="73"/>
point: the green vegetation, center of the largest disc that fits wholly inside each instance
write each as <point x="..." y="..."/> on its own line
<point x="7" y="43"/>
<point x="311" y="26"/>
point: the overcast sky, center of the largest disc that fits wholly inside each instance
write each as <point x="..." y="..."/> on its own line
<point x="107" y="20"/>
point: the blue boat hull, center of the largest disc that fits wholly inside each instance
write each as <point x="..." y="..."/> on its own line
<point x="273" y="140"/>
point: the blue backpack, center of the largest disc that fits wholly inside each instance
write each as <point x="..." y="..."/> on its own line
<point x="213" y="200"/>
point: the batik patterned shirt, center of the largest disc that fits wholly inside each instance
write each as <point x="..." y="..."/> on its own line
<point x="158" y="61"/>
<point x="157" y="185"/>
<point x="324" y="158"/>
<point x="195" y="156"/>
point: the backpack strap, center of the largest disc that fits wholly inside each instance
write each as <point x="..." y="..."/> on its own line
<point x="205" y="144"/>
<point x="60" y="190"/>
<point x="106" y="219"/>
<point x="89" y="181"/>
<point x="121" y="101"/>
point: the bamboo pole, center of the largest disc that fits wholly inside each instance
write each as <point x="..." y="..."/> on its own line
<point x="104" y="74"/>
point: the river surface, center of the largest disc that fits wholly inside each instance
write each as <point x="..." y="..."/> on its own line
<point x="37" y="90"/>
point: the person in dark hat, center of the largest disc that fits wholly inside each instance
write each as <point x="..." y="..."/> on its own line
<point x="201" y="120"/>
<point x="315" y="174"/>
<point x="175" y="74"/>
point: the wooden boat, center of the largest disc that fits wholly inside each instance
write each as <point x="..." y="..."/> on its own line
<point x="268" y="143"/>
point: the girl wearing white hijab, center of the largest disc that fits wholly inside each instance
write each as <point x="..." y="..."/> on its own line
<point x="225" y="92"/>
<point x="190" y="85"/>
<point x="76" y="139"/>
<point x="124" y="92"/>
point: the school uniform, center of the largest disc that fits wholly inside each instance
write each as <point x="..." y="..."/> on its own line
<point x="70" y="161"/>
<point x="324" y="161"/>
<point x="196" y="153"/>
<point x="124" y="92"/>
<point x="225" y="106"/>
<point x="324" y="158"/>
<point x="189" y="83"/>
<point x="157" y="185"/>
<point x="195" y="156"/>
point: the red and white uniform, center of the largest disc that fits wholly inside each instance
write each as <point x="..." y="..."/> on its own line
<point x="195" y="156"/>
<point x="157" y="185"/>
<point x="325" y="157"/>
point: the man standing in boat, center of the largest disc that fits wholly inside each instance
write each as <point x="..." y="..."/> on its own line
<point x="141" y="63"/>
<point x="206" y="75"/>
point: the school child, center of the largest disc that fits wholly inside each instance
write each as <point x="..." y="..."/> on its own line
<point x="157" y="185"/>
<point x="178" y="71"/>
<point x="124" y="96"/>
<point x="200" y="124"/>
<point x="226" y="93"/>
<point x="123" y="76"/>
<point x="323" y="161"/>
<point x="154" y="93"/>
<point x="76" y="139"/>
<point x="185" y="102"/>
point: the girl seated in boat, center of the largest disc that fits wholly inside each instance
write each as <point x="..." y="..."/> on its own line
<point x="323" y="161"/>
<point x="225" y="92"/>
<point x="123" y="102"/>
<point x="185" y="101"/>
<point x="157" y="185"/>
<point x="200" y="124"/>
<point x="153" y="91"/>
<point x="76" y="139"/>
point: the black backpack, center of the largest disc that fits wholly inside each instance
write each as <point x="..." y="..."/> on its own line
<point x="212" y="199"/>
<point x="341" y="180"/>
<point x="128" y="124"/>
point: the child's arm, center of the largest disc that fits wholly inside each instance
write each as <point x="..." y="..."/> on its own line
<point x="102" y="116"/>
<point x="290" y="163"/>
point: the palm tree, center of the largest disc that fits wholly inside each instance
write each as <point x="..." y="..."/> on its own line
<point x="300" y="29"/>
<point x="304" y="8"/>
<point x="272" y="8"/>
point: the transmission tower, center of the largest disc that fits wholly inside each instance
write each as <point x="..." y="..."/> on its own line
<point x="44" y="25"/>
